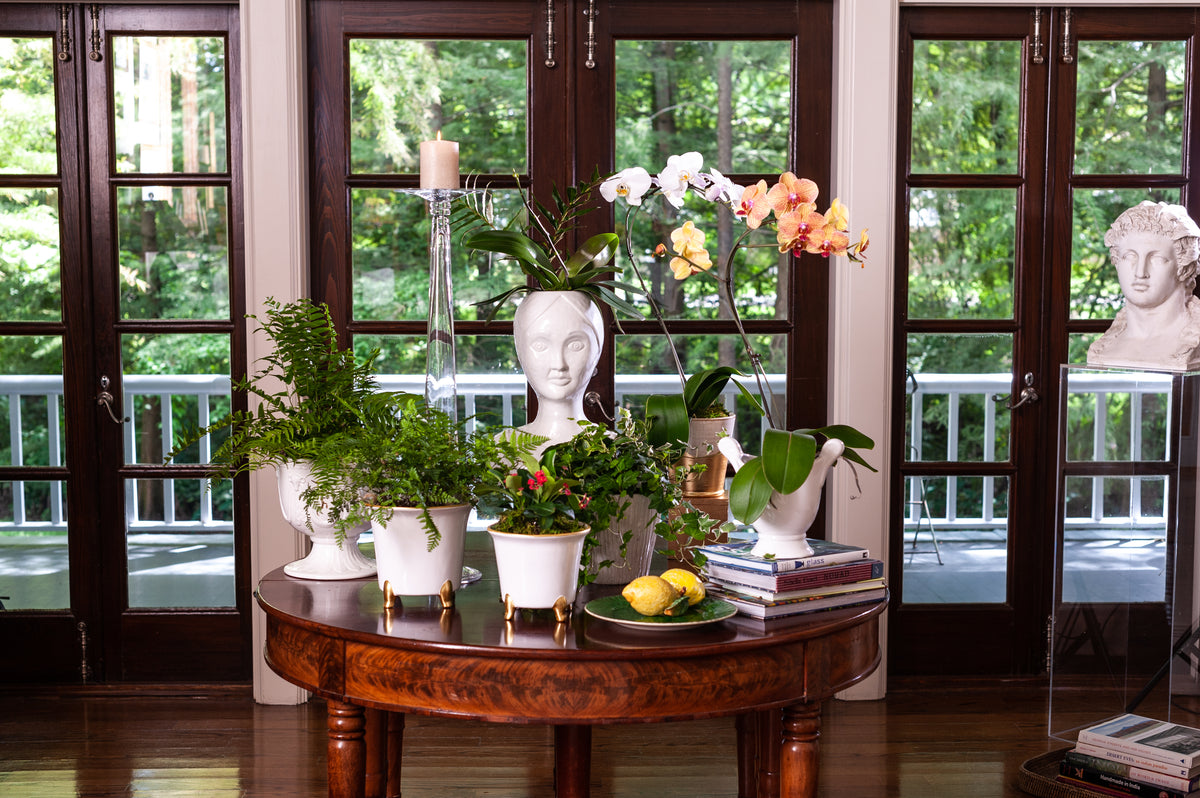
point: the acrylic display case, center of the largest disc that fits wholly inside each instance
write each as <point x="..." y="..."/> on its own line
<point x="1125" y="631"/>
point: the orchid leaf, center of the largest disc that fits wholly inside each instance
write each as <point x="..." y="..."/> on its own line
<point x="668" y="419"/>
<point x="749" y="492"/>
<point x="510" y="243"/>
<point x="787" y="458"/>
<point x="596" y="252"/>
<point x="615" y="302"/>
<point x="703" y="387"/>
<point x="846" y="434"/>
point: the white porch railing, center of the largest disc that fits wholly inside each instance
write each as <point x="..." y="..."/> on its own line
<point x="983" y="387"/>
<point x="509" y="388"/>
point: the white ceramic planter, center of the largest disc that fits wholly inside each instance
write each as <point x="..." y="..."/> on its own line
<point x="402" y="555"/>
<point x="783" y="526"/>
<point x="558" y="337"/>
<point x="639" y="519"/>
<point x="327" y="560"/>
<point x="535" y="570"/>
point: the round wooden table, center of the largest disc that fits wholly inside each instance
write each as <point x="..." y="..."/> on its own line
<point x="372" y="665"/>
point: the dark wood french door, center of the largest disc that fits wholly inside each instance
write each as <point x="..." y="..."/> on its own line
<point x="1023" y="133"/>
<point x="120" y="324"/>
<point x="540" y="96"/>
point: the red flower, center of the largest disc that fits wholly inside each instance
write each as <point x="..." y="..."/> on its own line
<point x="531" y="483"/>
<point x="540" y="476"/>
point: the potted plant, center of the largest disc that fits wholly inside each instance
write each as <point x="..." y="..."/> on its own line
<point x="308" y="389"/>
<point x="537" y="537"/>
<point x="788" y="456"/>
<point x="558" y="329"/>
<point x="413" y="476"/>
<point x="633" y="488"/>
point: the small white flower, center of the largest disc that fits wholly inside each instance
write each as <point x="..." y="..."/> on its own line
<point x="631" y="183"/>
<point x="723" y="189"/>
<point x="681" y="171"/>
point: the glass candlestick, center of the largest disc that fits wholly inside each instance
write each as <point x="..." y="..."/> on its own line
<point x="441" y="389"/>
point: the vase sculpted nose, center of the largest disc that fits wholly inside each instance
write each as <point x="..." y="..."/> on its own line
<point x="783" y="526"/>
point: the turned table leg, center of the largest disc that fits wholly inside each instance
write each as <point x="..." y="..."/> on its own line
<point x="346" y="753"/>
<point x="395" y="751"/>
<point x="376" y="752"/>
<point x="769" y="732"/>
<point x="746" y="727"/>
<point x="799" y="752"/>
<point x="572" y="761"/>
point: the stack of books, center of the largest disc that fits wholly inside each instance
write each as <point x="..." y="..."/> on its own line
<point x="835" y="575"/>
<point x="1134" y="755"/>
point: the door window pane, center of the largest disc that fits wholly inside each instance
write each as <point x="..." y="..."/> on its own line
<point x="29" y="144"/>
<point x="174" y="252"/>
<point x="390" y="258"/>
<point x="491" y="387"/>
<point x="1117" y="416"/>
<point x="758" y="290"/>
<point x="966" y="107"/>
<point x="403" y="91"/>
<point x="1129" y="107"/>
<point x="678" y="96"/>
<point x="29" y="255"/>
<point x="962" y="253"/>
<point x="34" y="571"/>
<point x="956" y="388"/>
<point x="645" y="366"/>
<point x="169" y="104"/>
<point x="171" y="382"/>
<point x="179" y="543"/>
<point x="32" y="428"/>
<point x="955" y="545"/>
<point x="1095" y="292"/>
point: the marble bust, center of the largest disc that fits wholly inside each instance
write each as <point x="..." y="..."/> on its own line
<point x="1154" y="247"/>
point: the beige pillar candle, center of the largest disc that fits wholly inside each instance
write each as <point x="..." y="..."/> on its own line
<point x="439" y="163"/>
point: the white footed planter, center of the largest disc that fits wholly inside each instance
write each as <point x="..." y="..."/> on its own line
<point x="783" y="526"/>
<point x="327" y="560"/>
<point x="536" y="570"/>
<point x="639" y="519"/>
<point x="402" y="552"/>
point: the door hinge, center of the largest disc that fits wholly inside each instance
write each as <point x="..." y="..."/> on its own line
<point x="1049" y="642"/>
<point x="1037" y="36"/>
<point x="85" y="670"/>
<point x="64" y="33"/>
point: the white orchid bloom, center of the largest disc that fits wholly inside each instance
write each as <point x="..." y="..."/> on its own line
<point x="631" y="183"/>
<point x="723" y="189"/>
<point x="681" y="171"/>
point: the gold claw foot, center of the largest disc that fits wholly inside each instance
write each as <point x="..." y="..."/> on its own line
<point x="510" y="609"/>
<point x="389" y="598"/>
<point x="446" y="594"/>
<point x="562" y="609"/>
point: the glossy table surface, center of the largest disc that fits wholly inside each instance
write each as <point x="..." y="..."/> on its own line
<point x="336" y="639"/>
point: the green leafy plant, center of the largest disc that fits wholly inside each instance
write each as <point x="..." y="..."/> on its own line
<point x="543" y="256"/>
<point x="617" y="465"/>
<point x="419" y="457"/>
<point x="308" y="389"/>
<point x="533" y="497"/>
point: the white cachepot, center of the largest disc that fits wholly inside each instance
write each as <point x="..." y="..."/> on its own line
<point x="783" y="526"/>
<point x="639" y="519"/>
<point x="535" y="570"/>
<point x="327" y="559"/>
<point x="402" y="553"/>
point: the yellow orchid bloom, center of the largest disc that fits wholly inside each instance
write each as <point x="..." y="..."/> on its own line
<point x="688" y="243"/>
<point x="838" y="215"/>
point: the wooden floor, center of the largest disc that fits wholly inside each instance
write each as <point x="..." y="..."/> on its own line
<point x="923" y="741"/>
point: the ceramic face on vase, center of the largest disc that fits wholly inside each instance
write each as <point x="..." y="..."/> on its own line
<point x="558" y="335"/>
<point x="1154" y="247"/>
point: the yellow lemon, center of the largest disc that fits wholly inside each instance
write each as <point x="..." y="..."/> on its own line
<point x="650" y="595"/>
<point x="686" y="583"/>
